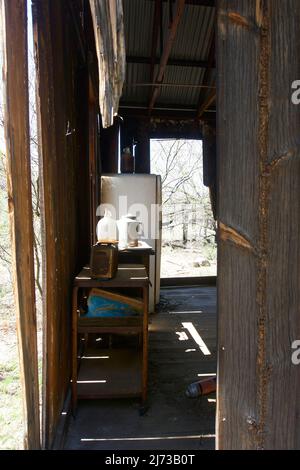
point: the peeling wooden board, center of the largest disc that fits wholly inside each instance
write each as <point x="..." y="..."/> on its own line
<point x="110" y="43"/>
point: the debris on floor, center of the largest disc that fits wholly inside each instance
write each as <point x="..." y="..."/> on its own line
<point x="201" y="388"/>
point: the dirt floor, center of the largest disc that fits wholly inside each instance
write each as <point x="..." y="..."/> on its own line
<point x="172" y="421"/>
<point x="187" y="262"/>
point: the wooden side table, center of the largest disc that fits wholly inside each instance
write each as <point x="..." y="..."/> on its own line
<point x="124" y="381"/>
<point x="139" y="255"/>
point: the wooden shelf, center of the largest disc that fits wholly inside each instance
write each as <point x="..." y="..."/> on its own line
<point x="110" y="373"/>
<point x="128" y="275"/>
<point x="110" y="322"/>
<point x="115" y="372"/>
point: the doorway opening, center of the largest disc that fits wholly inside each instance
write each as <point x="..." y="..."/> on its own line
<point x="189" y="246"/>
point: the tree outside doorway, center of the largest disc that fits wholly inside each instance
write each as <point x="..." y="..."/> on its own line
<point x="189" y="231"/>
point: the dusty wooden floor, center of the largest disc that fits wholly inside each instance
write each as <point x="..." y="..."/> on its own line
<point x="173" y="421"/>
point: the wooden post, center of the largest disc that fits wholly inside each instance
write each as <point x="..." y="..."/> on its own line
<point x="62" y="110"/>
<point x="142" y="150"/>
<point x="210" y="163"/>
<point x="14" y="27"/>
<point x="259" y="225"/>
<point x="109" y="140"/>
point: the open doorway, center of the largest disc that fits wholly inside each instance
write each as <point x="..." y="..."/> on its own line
<point x="162" y="125"/>
<point x="182" y="333"/>
<point x="188" y="227"/>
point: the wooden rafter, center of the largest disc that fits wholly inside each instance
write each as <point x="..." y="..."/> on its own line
<point x="155" y="35"/>
<point x="206" y="104"/>
<point x="207" y="98"/>
<point x="172" y="61"/>
<point x="178" y="12"/>
<point x="199" y="3"/>
<point x="168" y="111"/>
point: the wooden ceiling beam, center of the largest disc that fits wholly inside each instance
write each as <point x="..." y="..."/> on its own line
<point x="155" y="35"/>
<point x="172" y="61"/>
<point x="167" y="50"/>
<point x="199" y="3"/>
<point x="168" y="112"/>
<point x="206" y="98"/>
<point x="206" y="104"/>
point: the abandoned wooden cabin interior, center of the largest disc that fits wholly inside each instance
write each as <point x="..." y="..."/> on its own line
<point x="111" y="73"/>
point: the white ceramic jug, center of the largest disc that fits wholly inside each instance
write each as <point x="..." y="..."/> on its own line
<point x="107" y="228"/>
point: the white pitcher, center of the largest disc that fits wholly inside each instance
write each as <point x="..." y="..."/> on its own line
<point x="130" y="231"/>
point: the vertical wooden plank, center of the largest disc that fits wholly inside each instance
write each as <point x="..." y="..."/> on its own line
<point x="15" y="72"/>
<point x="142" y="150"/>
<point x="238" y="203"/>
<point x="209" y="142"/>
<point x="259" y="223"/>
<point x="145" y="344"/>
<point x="137" y="130"/>
<point x="127" y="134"/>
<point x="62" y="98"/>
<point x="110" y="148"/>
<point x="48" y="158"/>
<point x="283" y="267"/>
<point x="93" y="169"/>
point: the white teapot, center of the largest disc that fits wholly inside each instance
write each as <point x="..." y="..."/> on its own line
<point x="130" y="231"/>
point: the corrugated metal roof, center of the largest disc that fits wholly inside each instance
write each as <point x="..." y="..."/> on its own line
<point x="192" y="42"/>
<point x="185" y="96"/>
<point x="194" y="32"/>
<point x="138" y="18"/>
<point x="136" y="73"/>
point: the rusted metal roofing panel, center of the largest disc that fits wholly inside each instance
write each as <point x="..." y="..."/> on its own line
<point x="194" y="32"/>
<point x="192" y="43"/>
<point x="183" y="95"/>
<point x="138" y="19"/>
<point x="136" y="73"/>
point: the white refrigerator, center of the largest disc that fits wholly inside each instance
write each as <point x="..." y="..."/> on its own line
<point x="140" y="195"/>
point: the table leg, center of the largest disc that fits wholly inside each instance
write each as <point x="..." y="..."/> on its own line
<point x="145" y="344"/>
<point x="146" y="263"/>
<point x="74" y="349"/>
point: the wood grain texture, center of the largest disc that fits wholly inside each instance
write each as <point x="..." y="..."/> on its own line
<point x="283" y="268"/>
<point x="107" y="17"/>
<point x="238" y="64"/>
<point x="63" y="136"/>
<point x="258" y="389"/>
<point x="15" y="73"/>
<point x="237" y="341"/>
<point x="128" y="275"/>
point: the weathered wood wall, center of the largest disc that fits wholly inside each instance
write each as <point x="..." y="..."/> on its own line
<point x="63" y="99"/>
<point x="16" y="101"/>
<point x="259" y="224"/>
<point x="209" y="142"/>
